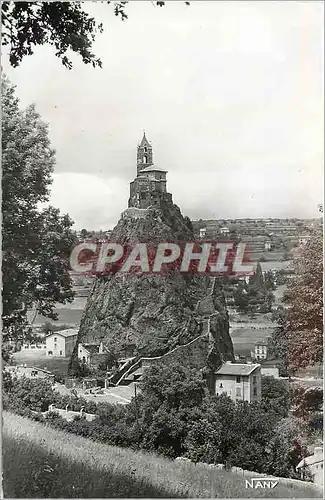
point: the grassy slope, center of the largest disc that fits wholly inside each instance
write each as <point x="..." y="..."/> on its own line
<point x="40" y="462"/>
<point x="58" y="366"/>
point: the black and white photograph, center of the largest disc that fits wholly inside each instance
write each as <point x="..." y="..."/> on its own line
<point x="162" y="249"/>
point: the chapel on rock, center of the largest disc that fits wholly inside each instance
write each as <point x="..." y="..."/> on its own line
<point x="148" y="190"/>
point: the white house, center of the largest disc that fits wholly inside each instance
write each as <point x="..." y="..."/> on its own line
<point x="61" y="344"/>
<point x="260" y="350"/>
<point x="224" y="231"/>
<point x="86" y="351"/>
<point x="239" y="381"/>
<point x="314" y="464"/>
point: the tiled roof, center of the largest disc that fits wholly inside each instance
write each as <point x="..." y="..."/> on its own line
<point x="70" y="332"/>
<point x="152" y="168"/>
<point x="261" y="342"/>
<point x="236" y="369"/>
<point x="91" y="348"/>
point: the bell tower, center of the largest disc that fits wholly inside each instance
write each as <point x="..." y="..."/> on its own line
<point x="144" y="154"/>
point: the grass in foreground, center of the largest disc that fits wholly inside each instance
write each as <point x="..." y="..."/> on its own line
<point x="40" y="462"/>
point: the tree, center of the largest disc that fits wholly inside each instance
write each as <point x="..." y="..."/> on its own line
<point x="36" y="395"/>
<point x="36" y="243"/>
<point x="175" y="385"/>
<point x="275" y="395"/>
<point x="65" y="25"/>
<point x="285" y="448"/>
<point x="304" y="326"/>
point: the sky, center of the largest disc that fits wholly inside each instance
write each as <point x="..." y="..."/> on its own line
<point x="230" y="95"/>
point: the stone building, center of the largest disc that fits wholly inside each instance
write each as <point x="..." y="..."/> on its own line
<point x="260" y="350"/>
<point x="149" y="187"/>
<point x="314" y="464"/>
<point x="240" y="382"/>
<point x="61" y="344"/>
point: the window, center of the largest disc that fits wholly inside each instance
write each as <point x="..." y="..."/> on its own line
<point x="60" y="353"/>
<point x="238" y="392"/>
<point x="145" y="149"/>
<point x="32" y="347"/>
<point x="237" y="380"/>
<point x="221" y="386"/>
<point x="254" y="379"/>
<point x="50" y="353"/>
<point x="55" y="339"/>
<point x="254" y="391"/>
<point x="144" y="159"/>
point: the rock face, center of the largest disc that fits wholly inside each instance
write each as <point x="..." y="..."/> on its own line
<point x="149" y="316"/>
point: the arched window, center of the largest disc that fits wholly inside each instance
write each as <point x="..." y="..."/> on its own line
<point x="145" y="159"/>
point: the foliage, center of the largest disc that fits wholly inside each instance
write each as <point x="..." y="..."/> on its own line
<point x="286" y="449"/>
<point x="174" y="385"/>
<point x="36" y="243"/>
<point x="81" y="468"/>
<point x="306" y="401"/>
<point x="304" y="325"/>
<point x="278" y="342"/>
<point x="174" y="416"/>
<point x="48" y="327"/>
<point x="76" y="368"/>
<point x="255" y="296"/>
<point x="35" y="395"/>
<point x="64" y="25"/>
<point x="275" y="395"/>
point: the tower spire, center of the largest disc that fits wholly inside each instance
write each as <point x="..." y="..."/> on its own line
<point x="144" y="154"/>
<point x="144" y="142"/>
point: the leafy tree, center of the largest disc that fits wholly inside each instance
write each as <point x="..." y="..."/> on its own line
<point x="304" y="326"/>
<point x="175" y="385"/>
<point x="36" y="395"/>
<point x="240" y="298"/>
<point x="307" y="401"/>
<point x="36" y="243"/>
<point x="84" y="233"/>
<point x="285" y="449"/>
<point x="269" y="281"/>
<point x="64" y="25"/>
<point x="275" y="395"/>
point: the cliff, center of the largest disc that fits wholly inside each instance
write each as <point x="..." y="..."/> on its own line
<point x="149" y="316"/>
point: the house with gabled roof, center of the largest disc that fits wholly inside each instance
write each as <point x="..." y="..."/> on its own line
<point x="239" y="381"/>
<point x="61" y="344"/>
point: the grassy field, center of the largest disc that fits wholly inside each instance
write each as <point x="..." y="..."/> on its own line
<point x="244" y="339"/>
<point x="40" y="462"/>
<point x="58" y="366"/>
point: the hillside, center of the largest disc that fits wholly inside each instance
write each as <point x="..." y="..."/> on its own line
<point x="52" y="464"/>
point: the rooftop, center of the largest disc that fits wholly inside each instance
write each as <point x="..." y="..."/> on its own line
<point x="70" y="332"/>
<point x="92" y="348"/>
<point x="237" y="369"/>
<point x="261" y="342"/>
<point x="312" y="459"/>
<point x="152" y="168"/>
